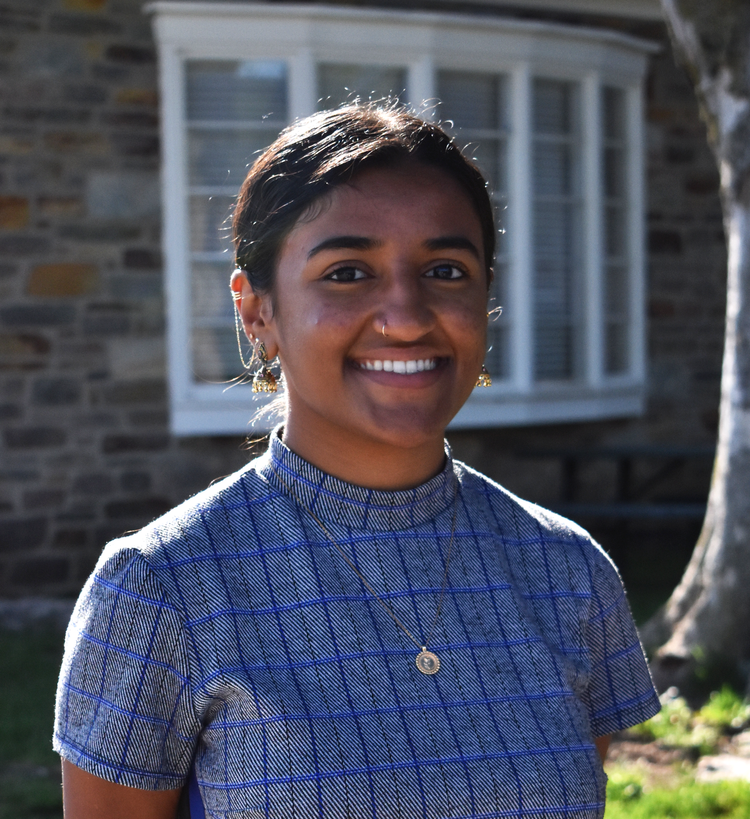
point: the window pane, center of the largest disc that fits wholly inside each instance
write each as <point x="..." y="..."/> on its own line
<point x="222" y="158"/>
<point x="502" y="244"/>
<point x="616" y="278"/>
<point x="489" y="156"/>
<point x="616" y="339"/>
<point x="497" y="358"/>
<point x="210" y="223"/>
<point x="338" y="84"/>
<point x="472" y="106"/>
<point x="553" y="107"/>
<point x="613" y="112"/>
<point x="553" y="169"/>
<point x="614" y="231"/>
<point x="214" y="338"/>
<point x="553" y="353"/>
<point x="472" y="100"/>
<point x="235" y="108"/>
<point x="557" y="230"/>
<point x="614" y="171"/>
<point x="247" y="90"/>
<point x="616" y="287"/>
<point x="210" y="298"/>
<point x="215" y="355"/>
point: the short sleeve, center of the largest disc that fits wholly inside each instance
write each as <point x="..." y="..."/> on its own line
<point x="620" y="691"/>
<point x="124" y="708"/>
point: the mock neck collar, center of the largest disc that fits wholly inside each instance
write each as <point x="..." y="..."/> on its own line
<point x="347" y="504"/>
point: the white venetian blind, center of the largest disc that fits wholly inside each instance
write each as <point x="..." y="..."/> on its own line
<point x="339" y="83"/>
<point x="616" y="262"/>
<point x="234" y="110"/>
<point x="556" y="232"/>
<point x="473" y="106"/>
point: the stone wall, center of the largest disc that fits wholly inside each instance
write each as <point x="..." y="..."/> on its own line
<point x="86" y="452"/>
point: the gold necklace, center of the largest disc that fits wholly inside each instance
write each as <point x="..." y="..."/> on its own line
<point x="427" y="661"/>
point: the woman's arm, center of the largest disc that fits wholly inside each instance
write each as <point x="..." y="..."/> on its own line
<point x="86" y="796"/>
<point x="602" y="745"/>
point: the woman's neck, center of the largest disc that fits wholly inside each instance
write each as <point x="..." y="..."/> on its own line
<point x="365" y="462"/>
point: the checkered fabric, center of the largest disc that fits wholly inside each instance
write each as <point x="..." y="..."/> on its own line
<point x="229" y="639"/>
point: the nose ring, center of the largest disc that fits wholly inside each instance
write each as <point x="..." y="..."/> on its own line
<point x="385" y="335"/>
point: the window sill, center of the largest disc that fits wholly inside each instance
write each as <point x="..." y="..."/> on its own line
<point x="209" y="410"/>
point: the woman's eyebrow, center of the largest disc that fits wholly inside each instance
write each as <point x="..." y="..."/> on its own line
<point x="453" y="243"/>
<point x="344" y="243"/>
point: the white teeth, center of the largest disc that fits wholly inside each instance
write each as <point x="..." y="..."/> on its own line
<point x="402" y="367"/>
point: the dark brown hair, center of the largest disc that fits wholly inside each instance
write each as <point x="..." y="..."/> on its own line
<point x="316" y="154"/>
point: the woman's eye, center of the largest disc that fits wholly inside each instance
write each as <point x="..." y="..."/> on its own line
<point x="347" y="274"/>
<point x="445" y="271"/>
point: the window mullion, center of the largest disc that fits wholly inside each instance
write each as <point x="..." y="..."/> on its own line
<point x="176" y="220"/>
<point x="303" y="84"/>
<point x="520" y="230"/>
<point x="421" y="85"/>
<point x="592" y="256"/>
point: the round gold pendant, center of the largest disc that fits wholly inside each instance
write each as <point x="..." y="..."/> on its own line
<point x="427" y="662"/>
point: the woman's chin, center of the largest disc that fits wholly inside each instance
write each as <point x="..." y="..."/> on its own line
<point x="408" y="428"/>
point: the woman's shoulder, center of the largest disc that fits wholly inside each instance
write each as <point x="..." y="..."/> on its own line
<point x="523" y="523"/>
<point x="215" y="519"/>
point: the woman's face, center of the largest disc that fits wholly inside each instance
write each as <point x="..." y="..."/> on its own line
<point x="378" y="312"/>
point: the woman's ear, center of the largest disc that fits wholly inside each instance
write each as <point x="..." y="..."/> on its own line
<point x="256" y="312"/>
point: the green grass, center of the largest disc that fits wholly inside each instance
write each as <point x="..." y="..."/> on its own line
<point x="680" y="727"/>
<point x="627" y="797"/>
<point x="726" y="709"/>
<point x="29" y="768"/>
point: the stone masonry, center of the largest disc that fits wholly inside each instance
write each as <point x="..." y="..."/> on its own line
<point x="85" y="452"/>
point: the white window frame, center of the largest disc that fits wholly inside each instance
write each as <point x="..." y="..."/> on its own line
<point x="422" y="42"/>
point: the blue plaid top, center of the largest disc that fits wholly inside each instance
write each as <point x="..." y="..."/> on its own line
<point x="229" y="639"/>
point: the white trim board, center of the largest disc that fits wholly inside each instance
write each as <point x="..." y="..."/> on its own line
<point x="631" y="9"/>
<point x="213" y="12"/>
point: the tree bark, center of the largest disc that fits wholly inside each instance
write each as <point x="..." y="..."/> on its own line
<point x="706" y="622"/>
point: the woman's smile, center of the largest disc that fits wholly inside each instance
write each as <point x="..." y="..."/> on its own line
<point x="414" y="373"/>
<point x="403" y="367"/>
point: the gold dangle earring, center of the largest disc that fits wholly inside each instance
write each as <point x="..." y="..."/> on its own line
<point x="264" y="380"/>
<point x="485" y="379"/>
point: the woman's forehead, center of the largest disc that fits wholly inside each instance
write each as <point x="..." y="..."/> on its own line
<point x="377" y="200"/>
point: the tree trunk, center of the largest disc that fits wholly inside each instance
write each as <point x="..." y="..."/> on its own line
<point x="705" y="625"/>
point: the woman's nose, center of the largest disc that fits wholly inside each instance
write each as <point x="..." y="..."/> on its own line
<point x="405" y="313"/>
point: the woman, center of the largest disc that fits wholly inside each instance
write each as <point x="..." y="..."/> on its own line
<point x="354" y="625"/>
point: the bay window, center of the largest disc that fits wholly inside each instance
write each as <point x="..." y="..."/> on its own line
<point x="552" y="115"/>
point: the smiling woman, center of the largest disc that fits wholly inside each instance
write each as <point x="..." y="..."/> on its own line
<point x="354" y="625"/>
